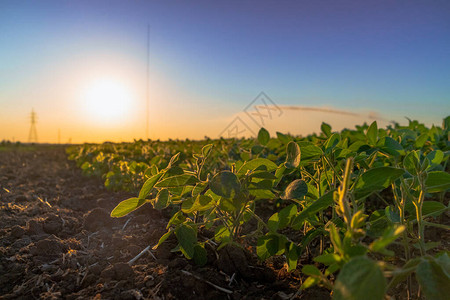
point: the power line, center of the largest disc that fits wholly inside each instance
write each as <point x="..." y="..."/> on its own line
<point x="148" y="82"/>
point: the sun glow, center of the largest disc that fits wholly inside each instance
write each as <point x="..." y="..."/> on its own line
<point x="107" y="100"/>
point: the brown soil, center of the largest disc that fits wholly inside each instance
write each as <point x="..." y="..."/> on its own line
<point x="57" y="241"/>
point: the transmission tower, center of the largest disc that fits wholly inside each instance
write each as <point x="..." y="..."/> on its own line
<point x="32" y="136"/>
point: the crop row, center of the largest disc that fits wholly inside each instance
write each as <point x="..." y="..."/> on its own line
<point x="368" y="195"/>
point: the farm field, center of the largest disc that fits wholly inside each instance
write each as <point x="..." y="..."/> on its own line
<point x="356" y="214"/>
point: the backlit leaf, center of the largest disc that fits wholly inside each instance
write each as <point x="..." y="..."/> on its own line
<point x="178" y="181"/>
<point x="149" y="184"/>
<point x="257" y="163"/>
<point x="282" y="218"/>
<point x="297" y="189"/>
<point x="127" y="206"/>
<point x="372" y="133"/>
<point x="162" y="199"/>
<point x="293" y="155"/>
<point x="270" y="245"/>
<point x="263" y="136"/>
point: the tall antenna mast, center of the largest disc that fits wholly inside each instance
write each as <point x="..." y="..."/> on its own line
<point x="32" y="135"/>
<point x="148" y="80"/>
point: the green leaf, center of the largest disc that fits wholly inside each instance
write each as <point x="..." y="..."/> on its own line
<point x="257" y="149"/>
<point x="201" y="203"/>
<point x="199" y="188"/>
<point x="176" y="219"/>
<point x="187" y="205"/>
<point x="372" y="133"/>
<point x="297" y="189"/>
<point x="173" y="160"/>
<point x="378" y="222"/>
<point x="400" y="275"/>
<point x="444" y="261"/>
<point x="433" y="279"/>
<point x="328" y="259"/>
<point x="149" y="184"/>
<point x="411" y="162"/>
<point x="437" y="181"/>
<point x="222" y="234"/>
<point x="263" y="175"/>
<point x="292" y="256"/>
<point x="336" y="239"/>
<point x="245" y="156"/>
<point x="421" y="140"/>
<point x="162" y="199"/>
<point x="311" y="270"/>
<point x="283" y="138"/>
<point x="309" y="282"/>
<point x="376" y="179"/>
<point x="320" y="204"/>
<point x="392" y="214"/>
<point x="360" y="278"/>
<point x="282" y="218"/>
<point x="187" y="238"/>
<point x="435" y="157"/>
<point x="310" y="151"/>
<point x="172" y="171"/>
<point x="163" y="238"/>
<point x="432" y="208"/>
<point x="261" y="194"/>
<point x="390" y="146"/>
<point x="391" y="234"/>
<point x="446" y="123"/>
<point x="332" y="142"/>
<point x="326" y="129"/>
<point x="200" y="255"/>
<point x="206" y="150"/>
<point x="263" y="136"/>
<point x="269" y="245"/>
<point x="225" y="184"/>
<point x="178" y="181"/>
<point x="257" y="163"/>
<point x="293" y="155"/>
<point x="127" y="206"/>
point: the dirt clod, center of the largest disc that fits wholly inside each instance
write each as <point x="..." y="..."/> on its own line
<point x="17" y="231"/>
<point x="53" y="224"/>
<point x="96" y="219"/>
<point x="233" y="260"/>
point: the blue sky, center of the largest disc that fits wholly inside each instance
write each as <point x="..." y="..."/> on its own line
<point x="209" y="59"/>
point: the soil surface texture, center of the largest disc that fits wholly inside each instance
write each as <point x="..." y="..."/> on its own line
<point x="58" y="241"/>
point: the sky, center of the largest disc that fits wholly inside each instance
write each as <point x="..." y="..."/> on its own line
<point x="218" y="68"/>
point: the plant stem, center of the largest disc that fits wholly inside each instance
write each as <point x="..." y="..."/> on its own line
<point x="401" y="207"/>
<point x="334" y="170"/>
<point x="421" y="228"/>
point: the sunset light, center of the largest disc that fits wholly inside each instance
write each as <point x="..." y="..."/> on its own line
<point x="106" y="100"/>
<point x="232" y="149"/>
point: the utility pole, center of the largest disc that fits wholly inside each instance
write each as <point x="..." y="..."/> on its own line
<point x="148" y="81"/>
<point x="32" y="135"/>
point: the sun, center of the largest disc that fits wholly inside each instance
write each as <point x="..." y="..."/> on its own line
<point x="107" y="100"/>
